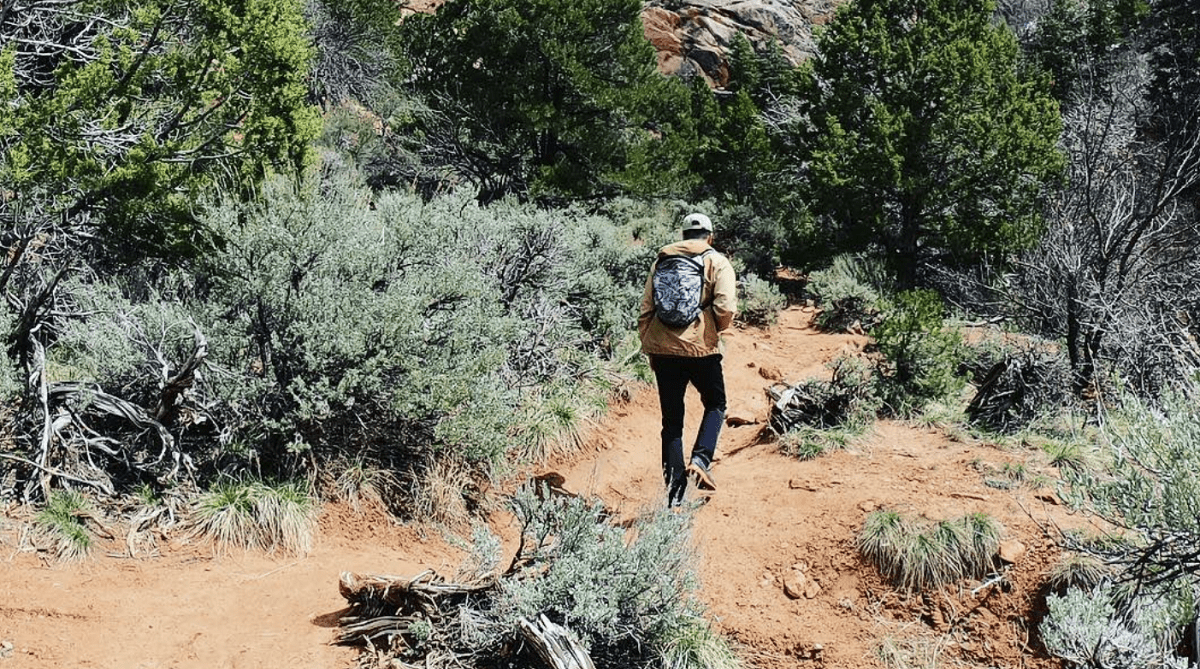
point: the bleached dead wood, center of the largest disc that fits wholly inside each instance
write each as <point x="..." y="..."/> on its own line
<point x="555" y="644"/>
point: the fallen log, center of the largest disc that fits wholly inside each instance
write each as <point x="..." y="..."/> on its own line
<point x="398" y="591"/>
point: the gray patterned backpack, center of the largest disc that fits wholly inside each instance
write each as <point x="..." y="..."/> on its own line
<point x="678" y="288"/>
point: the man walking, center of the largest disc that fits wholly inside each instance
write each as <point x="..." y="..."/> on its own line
<point x="690" y="298"/>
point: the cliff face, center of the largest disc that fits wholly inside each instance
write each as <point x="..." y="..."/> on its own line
<point x="692" y="36"/>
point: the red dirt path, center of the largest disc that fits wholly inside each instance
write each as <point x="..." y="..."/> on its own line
<point x="773" y="516"/>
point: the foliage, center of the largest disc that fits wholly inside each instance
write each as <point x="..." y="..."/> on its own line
<point x="629" y="594"/>
<point x="120" y="114"/>
<point x="1148" y="489"/>
<point x="921" y="135"/>
<point x="61" y="523"/>
<point x="815" y="416"/>
<point x="336" y="329"/>
<point x="754" y="242"/>
<point x="118" y="118"/>
<point x="1111" y="276"/>
<point x="1094" y="628"/>
<point x="546" y="99"/>
<point x="386" y="302"/>
<point x="760" y="300"/>
<point x="1075" y="41"/>
<point x="737" y="160"/>
<point x="918" y="556"/>
<point x="354" y="57"/>
<point x="921" y="353"/>
<point x="257" y="514"/>
<point x="848" y="293"/>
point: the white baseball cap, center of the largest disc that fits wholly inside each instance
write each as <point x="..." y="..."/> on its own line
<point x="697" y="222"/>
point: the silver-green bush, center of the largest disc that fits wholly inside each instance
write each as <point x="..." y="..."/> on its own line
<point x="1089" y="629"/>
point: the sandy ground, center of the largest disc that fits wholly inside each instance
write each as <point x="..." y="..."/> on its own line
<point x="772" y="518"/>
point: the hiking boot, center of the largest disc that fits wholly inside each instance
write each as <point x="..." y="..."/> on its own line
<point x="704" y="477"/>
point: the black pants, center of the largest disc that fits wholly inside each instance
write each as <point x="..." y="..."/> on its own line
<point x="673" y="375"/>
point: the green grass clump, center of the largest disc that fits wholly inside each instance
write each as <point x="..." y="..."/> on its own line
<point x="1078" y="570"/>
<point x="1068" y="455"/>
<point x="61" y="523"/>
<point x="919" y="556"/>
<point x="694" y="645"/>
<point x="257" y="515"/>
<point x="806" y="443"/>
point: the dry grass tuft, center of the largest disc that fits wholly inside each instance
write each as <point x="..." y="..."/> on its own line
<point x="437" y="492"/>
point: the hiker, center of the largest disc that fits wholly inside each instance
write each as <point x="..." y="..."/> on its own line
<point x="690" y="298"/>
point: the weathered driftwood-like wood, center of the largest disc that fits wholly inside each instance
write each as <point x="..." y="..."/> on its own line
<point x="1016" y="388"/>
<point x="373" y="629"/>
<point x="383" y="606"/>
<point x="397" y="590"/>
<point x="555" y="644"/>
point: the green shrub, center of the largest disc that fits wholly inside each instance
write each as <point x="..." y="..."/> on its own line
<point x="918" y="556"/>
<point x="1144" y="481"/>
<point x="921" y="354"/>
<point x="847" y="293"/>
<point x="847" y="400"/>
<point x="759" y="301"/>
<point x="1016" y="379"/>
<point x="341" y="326"/>
<point x="257" y="515"/>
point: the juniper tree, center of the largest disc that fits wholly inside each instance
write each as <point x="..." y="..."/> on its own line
<point x="921" y="133"/>
<point x="119" y="114"/>
<point x="546" y="99"/>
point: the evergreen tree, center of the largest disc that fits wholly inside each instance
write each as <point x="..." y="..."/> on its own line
<point x="121" y="113"/>
<point x="547" y="98"/>
<point x="118" y="117"/>
<point x="1084" y="39"/>
<point x="922" y="135"/>
<point x="736" y="158"/>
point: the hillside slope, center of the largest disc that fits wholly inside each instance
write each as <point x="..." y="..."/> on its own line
<point x="773" y="517"/>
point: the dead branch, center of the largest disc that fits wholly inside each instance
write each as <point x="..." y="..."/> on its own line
<point x="174" y="386"/>
<point x="555" y="644"/>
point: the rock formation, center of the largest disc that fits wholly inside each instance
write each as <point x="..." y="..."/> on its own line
<point x="693" y="36"/>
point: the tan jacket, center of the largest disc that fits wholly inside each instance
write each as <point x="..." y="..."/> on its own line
<point x="702" y="337"/>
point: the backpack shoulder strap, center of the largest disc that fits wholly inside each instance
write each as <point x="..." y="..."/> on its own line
<point x="701" y="257"/>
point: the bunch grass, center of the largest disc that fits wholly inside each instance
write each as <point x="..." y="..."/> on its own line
<point x="920" y="555"/>
<point x="257" y="515"/>
<point x="60" y="522"/>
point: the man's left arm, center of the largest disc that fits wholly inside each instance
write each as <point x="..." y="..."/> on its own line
<point x="724" y="294"/>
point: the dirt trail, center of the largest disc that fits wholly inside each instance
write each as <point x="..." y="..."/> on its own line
<point x="773" y="516"/>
